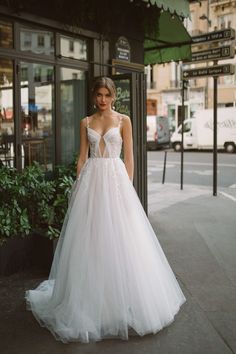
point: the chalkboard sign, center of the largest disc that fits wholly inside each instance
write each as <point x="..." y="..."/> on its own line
<point x="123" y="96"/>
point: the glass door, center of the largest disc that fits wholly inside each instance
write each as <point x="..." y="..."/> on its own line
<point x="7" y="137"/>
<point x="37" y="114"/>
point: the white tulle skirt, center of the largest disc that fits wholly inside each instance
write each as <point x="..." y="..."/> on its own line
<point x="109" y="274"/>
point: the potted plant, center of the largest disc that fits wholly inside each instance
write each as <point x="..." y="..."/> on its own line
<point x="32" y="210"/>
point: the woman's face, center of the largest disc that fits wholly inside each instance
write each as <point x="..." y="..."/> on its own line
<point x="103" y="99"/>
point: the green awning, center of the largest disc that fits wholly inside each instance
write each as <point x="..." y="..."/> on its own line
<point x="172" y="42"/>
<point x="180" y="7"/>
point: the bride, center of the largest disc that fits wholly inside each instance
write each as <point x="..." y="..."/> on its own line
<point x="109" y="275"/>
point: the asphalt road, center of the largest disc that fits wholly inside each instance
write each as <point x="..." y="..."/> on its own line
<point x="198" y="168"/>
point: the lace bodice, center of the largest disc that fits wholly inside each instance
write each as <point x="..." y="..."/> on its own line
<point x="107" y="145"/>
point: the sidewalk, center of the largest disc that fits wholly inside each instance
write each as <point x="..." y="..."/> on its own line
<point x="198" y="234"/>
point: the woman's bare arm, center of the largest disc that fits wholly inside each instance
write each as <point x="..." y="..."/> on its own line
<point x="84" y="146"/>
<point x="128" y="146"/>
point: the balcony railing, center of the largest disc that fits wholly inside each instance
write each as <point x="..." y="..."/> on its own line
<point x="220" y="2"/>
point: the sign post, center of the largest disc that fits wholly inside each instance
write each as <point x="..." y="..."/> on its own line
<point x="215" y="79"/>
<point x="184" y="88"/>
<point x="212" y="54"/>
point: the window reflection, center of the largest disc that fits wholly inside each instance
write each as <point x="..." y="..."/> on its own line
<point x="6" y="35"/>
<point x="37" y="113"/>
<point x="6" y="114"/>
<point x="36" y="41"/>
<point x="73" y="108"/>
<point x="73" y="48"/>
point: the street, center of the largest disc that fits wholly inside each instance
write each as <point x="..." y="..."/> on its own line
<point x="198" y="168"/>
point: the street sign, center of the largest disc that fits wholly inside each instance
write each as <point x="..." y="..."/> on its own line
<point x="216" y="36"/>
<point x="220" y="53"/>
<point x="218" y="70"/>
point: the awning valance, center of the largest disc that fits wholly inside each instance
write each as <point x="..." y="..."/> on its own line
<point x="172" y="42"/>
<point x="180" y="7"/>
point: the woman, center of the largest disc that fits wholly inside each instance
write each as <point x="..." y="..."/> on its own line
<point x="109" y="274"/>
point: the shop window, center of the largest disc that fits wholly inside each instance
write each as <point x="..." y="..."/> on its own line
<point x="6" y="35"/>
<point x="73" y="48"/>
<point x="36" y="41"/>
<point x="36" y="101"/>
<point x="73" y="88"/>
<point x="6" y="114"/>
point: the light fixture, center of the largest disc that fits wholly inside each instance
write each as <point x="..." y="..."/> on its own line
<point x="204" y="17"/>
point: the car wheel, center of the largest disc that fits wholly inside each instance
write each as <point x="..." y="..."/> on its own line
<point x="230" y="147"/>
<point x="177" y="147"/>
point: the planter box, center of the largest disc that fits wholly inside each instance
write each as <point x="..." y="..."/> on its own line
<point x="19" y="254"/>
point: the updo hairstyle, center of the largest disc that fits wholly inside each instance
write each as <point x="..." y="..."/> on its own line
<point x="104" y="82"/>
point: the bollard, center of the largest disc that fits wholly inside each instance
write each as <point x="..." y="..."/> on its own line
<point x="164" y="168"/>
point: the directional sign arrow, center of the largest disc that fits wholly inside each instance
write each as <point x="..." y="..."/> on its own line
<point x="219" y="70"/>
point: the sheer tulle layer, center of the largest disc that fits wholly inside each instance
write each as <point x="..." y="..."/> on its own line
<point x="109" y="273"/>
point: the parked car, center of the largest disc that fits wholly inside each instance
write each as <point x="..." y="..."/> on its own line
<point x="198" y="131"/>
<point x="158" y="132"/>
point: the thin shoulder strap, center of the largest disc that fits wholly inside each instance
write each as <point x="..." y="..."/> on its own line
<point x="120" y="120"/>
<point x="87" y="122"/>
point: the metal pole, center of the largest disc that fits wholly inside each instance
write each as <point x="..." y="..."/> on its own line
<point x="182" y="138"/>
<point x="215" y="138"/>
<point x="164" y="168"/>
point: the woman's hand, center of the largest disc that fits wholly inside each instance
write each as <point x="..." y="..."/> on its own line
<point x="128" y="146"/>
<point x="84" y="146"/>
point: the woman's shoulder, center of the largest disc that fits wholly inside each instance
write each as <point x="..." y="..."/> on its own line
<point x="86" y="120"/>
<point x="124" y="118"/>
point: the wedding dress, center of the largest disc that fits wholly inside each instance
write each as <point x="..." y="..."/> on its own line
<point x="109" y="275"/>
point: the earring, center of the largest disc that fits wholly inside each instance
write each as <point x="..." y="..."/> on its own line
<point x="94" y="106"/>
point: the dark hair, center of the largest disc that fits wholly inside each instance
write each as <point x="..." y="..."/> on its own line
<point x="104" y="82"/>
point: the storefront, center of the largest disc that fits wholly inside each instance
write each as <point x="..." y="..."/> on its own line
<point x="47" y="65"/>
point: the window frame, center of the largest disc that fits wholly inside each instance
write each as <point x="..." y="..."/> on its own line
<point x="17" y="56"/>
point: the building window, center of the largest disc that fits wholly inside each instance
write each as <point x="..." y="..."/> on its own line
<point x="71" y="46"/>
<point x="36" y="41"/>
<point x="224" y="21"/>
<point x="27" y="40"/>
<point x="74" y="48"/>
<point x="40" y="41"/>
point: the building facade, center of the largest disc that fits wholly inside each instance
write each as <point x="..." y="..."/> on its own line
<point x="47" y="66"/>
<point x="164" y="81"/>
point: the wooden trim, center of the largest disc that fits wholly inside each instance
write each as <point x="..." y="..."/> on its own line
<point x="50" y="24"/>
<point x="123" y="65"/>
